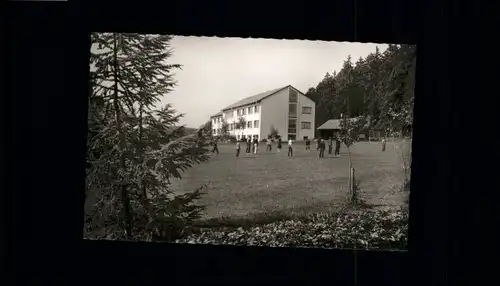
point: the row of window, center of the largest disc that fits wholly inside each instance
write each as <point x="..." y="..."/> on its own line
<point x="217" y="120"/>
<point x="247" y="110"/>
<point x="232" y="126"/>
<point x="292" y="111"/>
<point x="250" y="124"/>
<point x="238" y="137"/>
<point x="292" y="126"/>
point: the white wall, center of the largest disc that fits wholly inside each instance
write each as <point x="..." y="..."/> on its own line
<point x="306" y="102"/>
<point x="216" y="124"/>
<point x="275" y="113"/>
<point x="248" y="117"/>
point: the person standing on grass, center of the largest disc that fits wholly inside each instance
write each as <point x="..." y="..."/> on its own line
<point x="290" y="148"/>
<point x="268" y="145"/>
<point x="215" y="149"/>
<point x="256" y="145"/>
<point x="330" y="145"/>
<point x="238" y="148"/>
<point x="253" y="144"/>
<point x="248" y="145"/>
<point x="308" y="144"/>
<point x="337" y="147"/>
<point x="279" y="144"/>
<point x="321" y="148"/>
<point x="383" y="144"/>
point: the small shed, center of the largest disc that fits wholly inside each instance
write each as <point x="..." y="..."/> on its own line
<point x="329" y="128"/>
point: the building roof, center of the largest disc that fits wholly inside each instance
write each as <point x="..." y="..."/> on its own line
<point x="333" y="124"/>
<point x="217" y="114"/>
<point x="254" y="98"/>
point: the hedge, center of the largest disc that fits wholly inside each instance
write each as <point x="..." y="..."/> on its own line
<point x="366" y="229"/>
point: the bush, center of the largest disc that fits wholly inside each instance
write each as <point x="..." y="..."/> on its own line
<point x="362" y="229"/>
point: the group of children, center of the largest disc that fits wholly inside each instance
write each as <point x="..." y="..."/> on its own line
<point x="252" y="146"/>
<point x="321" y="146"/>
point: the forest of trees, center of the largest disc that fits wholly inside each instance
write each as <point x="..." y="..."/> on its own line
<point x="134" y="149"/>
<point x="379" y="87"/>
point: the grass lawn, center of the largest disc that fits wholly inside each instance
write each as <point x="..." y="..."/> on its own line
<point x="266" y="184"/>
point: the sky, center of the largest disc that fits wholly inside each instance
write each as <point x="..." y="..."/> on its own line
<point x="217" y="72"/>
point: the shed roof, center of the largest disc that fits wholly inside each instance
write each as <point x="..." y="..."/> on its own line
<point x="333" y="124"/>
<point x="330" y="124"/>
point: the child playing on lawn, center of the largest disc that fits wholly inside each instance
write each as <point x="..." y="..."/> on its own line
<point x="216" y="149"/>
<point x="321" y="148"/>
<point x="308" y="144"/>
<point x="238" y="147"/>
<point x="256" y="144"/>
<point x="268" y="145"/>
<point x="330" y="145"/>
<point x="337" y="147"/>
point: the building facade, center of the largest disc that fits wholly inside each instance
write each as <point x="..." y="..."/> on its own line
<point x="285" y="109"/>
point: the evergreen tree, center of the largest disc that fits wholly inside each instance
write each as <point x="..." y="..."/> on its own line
<point x="134" y="150"/>
<point x="224" y="128"/>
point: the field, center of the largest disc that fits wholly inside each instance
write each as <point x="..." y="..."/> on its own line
<point x="266" y="184"/>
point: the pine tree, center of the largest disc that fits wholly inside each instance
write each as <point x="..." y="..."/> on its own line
<point x="134" y="150"/>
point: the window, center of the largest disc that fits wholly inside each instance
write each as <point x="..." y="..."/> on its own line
<point x="215" y="120"/>
<point x="249" y="124"/>
<point x="292" y="126"/>
<point x="256" y="124"/>
<point x="306" y="110"/>
<point x="293" y="96"/>
<point x="306" y="125"/>
<point x="243" y="111"/>
<point x="292" y="109"/>
<point x="293" y="137"/>
<point x="219" y="131"/>
<point x="250" y="110"/>
<point x="238" y="112"/>
<point x="214" y="131"/>
<point x="256" y="109"/>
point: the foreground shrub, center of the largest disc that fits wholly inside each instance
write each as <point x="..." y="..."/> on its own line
<point x="361" y="229"/>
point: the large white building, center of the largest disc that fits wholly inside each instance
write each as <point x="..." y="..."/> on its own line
<point x="286" y="109"/>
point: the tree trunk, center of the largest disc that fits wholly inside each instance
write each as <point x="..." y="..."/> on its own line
<point x="143" y="183"/>
<point x="350" y="170"/>
<point x="124" y="191"/>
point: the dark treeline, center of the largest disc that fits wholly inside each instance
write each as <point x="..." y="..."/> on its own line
<point x="379" y="87"/>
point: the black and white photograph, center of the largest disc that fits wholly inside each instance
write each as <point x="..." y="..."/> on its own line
<point x="249" y="141"/>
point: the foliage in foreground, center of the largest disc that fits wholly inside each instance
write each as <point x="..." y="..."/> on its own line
<point x="136" y="149"/>
<point x="352" y="229"/>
